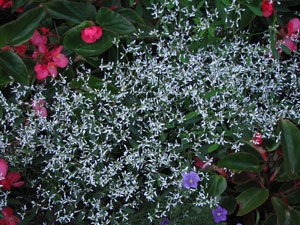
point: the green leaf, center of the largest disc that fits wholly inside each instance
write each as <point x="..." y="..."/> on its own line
<point x="16" y="4"/>
<point x="71" y="11"/>
<point x="20" y="31"/>
<point x="290" y="140"/>
<point x="294" y="197"/>
<point x="250" y="148"/>
<point x="95" y="82"/>
<point x="191" y="115"/>
<point x="4" y="79"/>
<point x="1" y="215"/>
<point x="216" y="185"/>
<point x="30" y="217"/>
<point x="14" y="66"/>
<point x="112" y="21"/>
<point x="255" y="10"/>
<point x="130" y="14"/>
<point x="273" y="45"/>
<point x="213" y="147"/>
<point x="242" y="178"/>
<point x="271" y="220"/>
<point x="229" y="203"/>
<point x="285" y="49"/>
<point x="73" y="41"/>
<point x="285" y="215"/>
<point x="251" y="199"/>
<point x="240" y="161"/>
<point x="213" y="93"/>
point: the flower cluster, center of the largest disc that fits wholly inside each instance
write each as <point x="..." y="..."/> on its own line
<point x="91" y="34"/>
<point x="5" y="4"/>
<point x="48" y="60"/>
<point x="267" y="7"/>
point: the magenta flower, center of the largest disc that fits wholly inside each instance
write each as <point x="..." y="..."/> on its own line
<point x="3" y="168"/>
<point x="9" y="218"/>
<point x="290" y="44"/>
<point x="267" y="7"/>
<point x="190" y="180"/>
<point x="293" y="25"/>
<point x="91" y="34"/>
<point x="219" y="214"/>
<point x="9" y="179"/>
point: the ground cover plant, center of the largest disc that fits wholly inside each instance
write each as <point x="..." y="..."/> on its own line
<point x="149" y="112"/>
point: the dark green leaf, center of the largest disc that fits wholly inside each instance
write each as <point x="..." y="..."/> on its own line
<point x="14" y="66"/>
<point x="191" y="115"/>
<point x="129" y="14"/>
<point x="250" y="148"/>
<point x="242" y="178"/>
<point x="285" y="214"/>
<point x="216" y="185"/>
<point x="73" y="41"/>
<point x="240" y="161"/>
<point x="290" y="139"/>
<point x="95" y="82"/>
<point x="255" y="10"/>
<point x="229" y="203"/>
<point x="29" y="218"/>
<point x="273" y="45"/>
<point x="271" y="220"/>
<point x="71" y="11"/>
<point x="251" y="199"/>
<point x="112" y="21"/>
<point x="294" y="197"/>
<point x="19" y="31"/>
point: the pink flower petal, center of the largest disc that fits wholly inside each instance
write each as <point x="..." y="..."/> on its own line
<point x="293" y="25"/>
<point x="3" y="168"/>
<point x="13" y="176"/>
<point x="18" y="184"/>
<point x="41" y="71"/>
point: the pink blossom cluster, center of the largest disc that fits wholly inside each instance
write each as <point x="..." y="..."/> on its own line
<point x="48" y="60"/>
<point x="293" y="29"/>
<point x="91" y="34"/>
<point x="267" y="7"/>
<point x="5" y="4"/>
<point x="8" y="179"/>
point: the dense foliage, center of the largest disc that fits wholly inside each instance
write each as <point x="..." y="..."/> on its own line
<point x="124" y="112"/>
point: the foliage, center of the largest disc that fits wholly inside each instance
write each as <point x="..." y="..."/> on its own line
<point x="150" y="86"/>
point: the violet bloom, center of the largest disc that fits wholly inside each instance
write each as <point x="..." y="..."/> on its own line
<point x="190" y="180"/>
<point x="219" y="214"/>
<point x="165" y="222"/>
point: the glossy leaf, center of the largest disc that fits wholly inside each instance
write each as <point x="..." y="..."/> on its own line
<point x="216" y="185"/>
<point x="112" y="21"/>
<point x="250" y="148"/>
<point x="19" y="31"/>
<point x="240" y="161"/>
<point x="71" y="11"/>
<point x="290" y="140"/>
<point x="255" y="10"/>
<point x="294" y="197"/>
<point x="251" y="199"/>
<point x="285" y="214"/>
<point x="130" y="14"/>
<point x="229" y="203"/>
<point x="14" y="66"/>
<point x="242" y="178"/>
<point x="73" y="41"/>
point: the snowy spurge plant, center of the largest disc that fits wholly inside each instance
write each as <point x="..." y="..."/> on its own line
<point x="115" y="148"/>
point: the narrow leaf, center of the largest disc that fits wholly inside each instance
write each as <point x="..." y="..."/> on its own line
<point x="255" y="10"/>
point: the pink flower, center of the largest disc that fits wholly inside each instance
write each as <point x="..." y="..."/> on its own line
<point x="290" y="44"/>
<point x="3" y="168"/>
<point x="6" y="5"/>
<point x="21" y="49"/>
<point x="9" y="218"/>
<point x="59" y="59"/>
<point x="91" y="34"/>
<point x="6" y="48"/>
<point x="267" y="7"/>
<point x="38" y="39"/>
<point x="293" y="25"/>
<point x="41" y="71"/>
<point x="38" y="106"/>
<point x="113" y="7"/>
<point x="11" y="180"/>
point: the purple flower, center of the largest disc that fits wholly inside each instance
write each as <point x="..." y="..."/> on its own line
<point x="219" y="214"/>
<point x="239" y="224"/>
<point x="164" y="222"/>
<point x="190" y="180"/>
